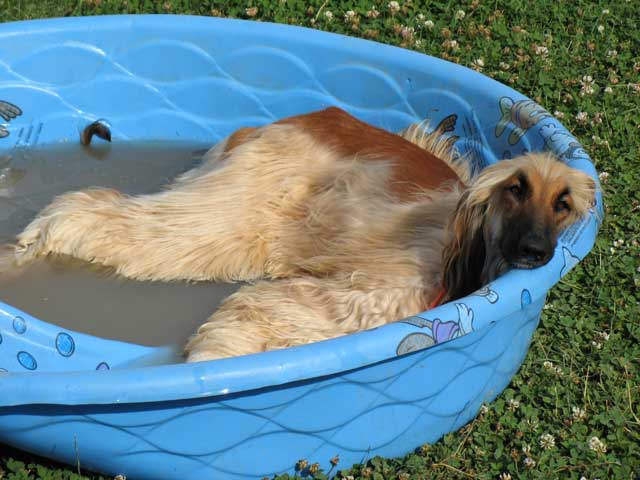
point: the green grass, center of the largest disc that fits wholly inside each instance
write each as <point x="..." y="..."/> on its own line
<point x="586" y="353"/>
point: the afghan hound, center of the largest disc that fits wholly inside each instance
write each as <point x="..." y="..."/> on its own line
<point x="338" y="226"/>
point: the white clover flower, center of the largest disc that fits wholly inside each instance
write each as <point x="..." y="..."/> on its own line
<point x="407" y="32"/>
<point x="251" y="11"/>
<point x="513" y="404"/>
<point x="505" y="476"/>
<point x="450" y="45"/>
<point x="547" y="441"/>
<point x="529" y="462"/>
<point x="349" y="15"/>
<point x="600" y="28"/>
<point x="328" y="15"/>
<point x="588" y="85"/>
<point x="597" y="445"/>
<point x="460" y="14"/>
<point x="421" y="16"/>
<point x="558" y="114"/>
<point x="394" y="7"/>
<point x="477" y="64"/>
<point x="541" y="50"/>
<point x="547" y="365"/>
<point x="612" y="53"/>
<point x="587" y="90"/>
<point x="581" y="117"/>
<point x="605" y="11"/>
<point x="373" y="13"/>
<point x="418" y="42"/>
<point x="429" y="24"/>
<point x="603" y="176"/>
<point x="578" y="414"/>
<point x="526" y="449"/>
<point x="484" y="409"/>
<point x="504" y="66"/>
<point x="597" y="118"/>
<point x="608" y="89"/>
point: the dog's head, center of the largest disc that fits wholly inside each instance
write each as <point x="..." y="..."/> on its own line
<point x="510" y="216"/>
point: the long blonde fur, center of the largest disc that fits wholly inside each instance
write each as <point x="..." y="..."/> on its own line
<point x="342" y="253"/>
<point x="441" y="145"/>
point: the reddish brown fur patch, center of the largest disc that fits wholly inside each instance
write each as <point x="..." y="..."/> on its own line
<point x="414" y="168"/>
<point x="238" y="138"/>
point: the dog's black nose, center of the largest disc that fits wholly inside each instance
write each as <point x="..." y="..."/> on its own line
<point x="534" y="250"/>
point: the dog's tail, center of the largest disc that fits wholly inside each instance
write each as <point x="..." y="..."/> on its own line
<point x="440" y="143"/>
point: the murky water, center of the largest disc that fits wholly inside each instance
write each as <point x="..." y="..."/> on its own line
<point x="74" y="295"/>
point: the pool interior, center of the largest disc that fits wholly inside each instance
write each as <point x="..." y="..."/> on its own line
<point x="80" y="297"/>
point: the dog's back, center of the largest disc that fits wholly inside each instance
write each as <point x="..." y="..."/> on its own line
<point x="419" y="161"/>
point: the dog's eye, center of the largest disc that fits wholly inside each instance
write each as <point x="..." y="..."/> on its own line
<point x="516" y="190"/>
<point x="562" y="206"/>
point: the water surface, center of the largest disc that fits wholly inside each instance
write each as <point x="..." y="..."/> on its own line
<point x="92" y="300"/>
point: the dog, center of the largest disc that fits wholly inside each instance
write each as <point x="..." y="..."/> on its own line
<point x="339" y="226"/>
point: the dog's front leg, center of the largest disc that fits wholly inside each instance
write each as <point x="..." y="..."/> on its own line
<point x="172" y="235"/>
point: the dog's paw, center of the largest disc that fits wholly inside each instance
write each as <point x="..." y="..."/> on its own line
<point x="58" y="225"/>
<point x="9" y="264"/>
<point x="31" y="243"/>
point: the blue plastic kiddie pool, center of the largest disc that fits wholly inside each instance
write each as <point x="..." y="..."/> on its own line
<point x="74" y="397"/>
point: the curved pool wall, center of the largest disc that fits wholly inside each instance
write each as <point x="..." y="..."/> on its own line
<point x="119" y="408"/>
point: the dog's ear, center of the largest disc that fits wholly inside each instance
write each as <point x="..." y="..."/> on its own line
<point x="464" y="255"/>
<point x="583" y="192"/>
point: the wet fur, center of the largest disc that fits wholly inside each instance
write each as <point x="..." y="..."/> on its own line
<point x="339" y="226"/>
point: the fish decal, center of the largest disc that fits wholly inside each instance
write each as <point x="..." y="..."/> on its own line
<point x="522" y="114"/>
<point x="562" y="143"/>
<point x="8" y="111"/>
<point x="525" y="298"/>
<point x="570" y="261"/>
